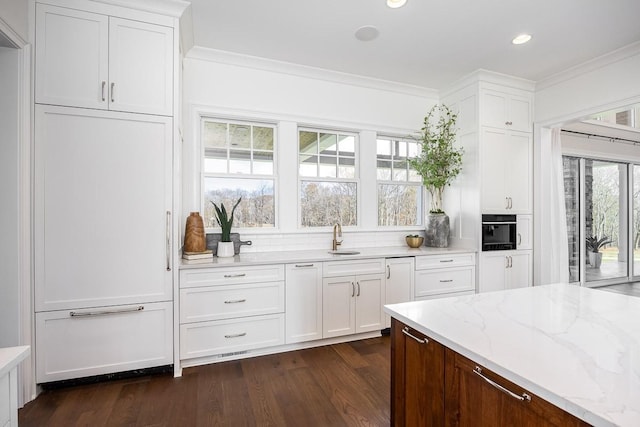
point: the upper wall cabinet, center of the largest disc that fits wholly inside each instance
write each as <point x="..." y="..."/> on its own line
<point x="91" y="60"/>
<point x="506" y="110"/>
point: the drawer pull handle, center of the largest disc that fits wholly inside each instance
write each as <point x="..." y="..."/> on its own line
<point x="446" y="260"/>
<point x="235" y="301"/>
<point x="525" y="397"/>
<point x="304" y="265"/>
<point x="405" y="331"/>
<point x="242" y="334"/>
<point x="227" y="276"/>
<point x="105" y="312"/>
<point x="446" y="281"/>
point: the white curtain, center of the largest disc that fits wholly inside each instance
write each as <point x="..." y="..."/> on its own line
<point x="554" y="240"/>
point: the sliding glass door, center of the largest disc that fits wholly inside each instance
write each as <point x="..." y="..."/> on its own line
<point x="635" y="237"/>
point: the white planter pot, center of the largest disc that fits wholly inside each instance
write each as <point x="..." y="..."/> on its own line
<point x="225" y="249"/>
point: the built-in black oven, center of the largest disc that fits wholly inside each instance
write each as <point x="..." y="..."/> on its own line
<point x="498" y="232"/>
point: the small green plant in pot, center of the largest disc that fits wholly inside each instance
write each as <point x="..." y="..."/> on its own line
<point x="594" y="244"/>
<point x="438" y="163"/>
<point x="225" y="246"/>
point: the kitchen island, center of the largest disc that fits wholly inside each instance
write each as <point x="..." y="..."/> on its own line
<point x="567" y="355"/>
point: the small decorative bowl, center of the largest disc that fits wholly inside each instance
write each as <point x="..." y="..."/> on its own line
<point x="414" y="241"/>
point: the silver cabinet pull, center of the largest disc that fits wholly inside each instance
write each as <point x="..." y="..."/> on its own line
<point x="303" y="265"/>
<point x="105" y="312"/>
<point x="227" y="276"/>
<point x="168" y="233"/>
<point x="405" y="331"/>
<point x="506" y="260"/>
<point x="524" y="397"/>
<point x="103" y="86"/>
<point x="242" y="334"/>
<point x="508" y="123"/>
<point x="510" y="203"/>
<point x="353" y="290"/>
<point x="519" y="239"/>
<point x="506" y="200"/>
<point x="446" y="260"/>
<point x="358" y="294"/>
<point x="388" y="271"/>
<point x="446" y="281"/>
<point x="235" y="301"/>
<point x="113" y="85"/>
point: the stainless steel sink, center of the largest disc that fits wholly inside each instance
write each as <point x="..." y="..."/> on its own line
<point x="344" y="252"/>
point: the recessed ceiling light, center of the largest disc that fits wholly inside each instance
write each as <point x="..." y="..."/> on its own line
<point x="367" y="33"/>
<point x="521" y="39"/>
<point x="394" y="4"/>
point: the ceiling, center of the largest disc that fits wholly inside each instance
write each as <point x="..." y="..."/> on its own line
<point x="426" y="43"/>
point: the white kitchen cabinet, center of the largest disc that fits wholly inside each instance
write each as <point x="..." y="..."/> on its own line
<point x="100" y="340"/>
<point x="506" y="172"/>
<point x="444" y="275"/>
<point x="506" y="109"/>
<point x="524" y="232"/>
<point x="303" y="302"/>
<point x="90" y="60"/>
<point x="399" y="282"/>
<point x="500" y="270"/>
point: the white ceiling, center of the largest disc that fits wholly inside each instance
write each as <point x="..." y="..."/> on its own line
<point x="426" y="43"/>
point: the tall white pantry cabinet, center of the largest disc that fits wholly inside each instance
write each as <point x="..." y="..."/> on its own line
<point x="103" y="208"/>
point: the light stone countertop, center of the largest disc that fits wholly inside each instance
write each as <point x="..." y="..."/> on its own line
<point x="321" y="255"/>
<point x="10" y="357"/>
<point x="575" y="347"/>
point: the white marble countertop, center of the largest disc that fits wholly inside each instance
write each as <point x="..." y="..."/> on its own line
<point x="320" y="255"/>
<point x="575" y="347"/>
<point x="11" y="356"/>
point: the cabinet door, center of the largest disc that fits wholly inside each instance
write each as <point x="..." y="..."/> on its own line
<point x="518" y="172"/>
<point x="71" y="57"/>
<point x="519" y="271"/>
<point x="140" y="67"/>
<point x="492" y="272"/>
<point x="519" y="113"/>
<point x="399" y="282"/>
<point x="338" y="306"/>
<point x="303" y="305"/>
<point x="471" y="400"/>
<point x="103" y="193"/>
<point x="417" y="378"/>
<point x="493" y="162"/>
<point x="506" y="111"/>
<point x="524" y="232"/>
<point x="369" y="302"/>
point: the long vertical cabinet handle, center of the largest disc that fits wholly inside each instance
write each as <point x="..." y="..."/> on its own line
<point x="103" y="87"/>
<point x="388" y="271"/>
<point x="168" y="233"/>
<point x="113" y="86"/>
<point x="353" y="290"/>
<point x="358" y="294"/>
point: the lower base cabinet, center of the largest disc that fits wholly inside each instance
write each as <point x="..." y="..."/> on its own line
<point x="432" y="385"/>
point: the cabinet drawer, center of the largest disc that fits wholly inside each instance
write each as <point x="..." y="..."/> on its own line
<point x="443" y="261"/>
<point x="231" y="275"/>
<point x="229" y="301"/>
<point x="229" y="336"/>
<point x="349" y="268"/>
<point x="84" y="345"/>
<point x="433" y="282"/>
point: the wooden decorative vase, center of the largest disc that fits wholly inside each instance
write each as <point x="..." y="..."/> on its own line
<point x="195" y="239"/>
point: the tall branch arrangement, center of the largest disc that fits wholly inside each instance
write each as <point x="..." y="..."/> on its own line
<point x="439" y="162"/>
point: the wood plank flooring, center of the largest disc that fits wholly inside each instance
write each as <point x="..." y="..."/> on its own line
<point x="339" y="385"/>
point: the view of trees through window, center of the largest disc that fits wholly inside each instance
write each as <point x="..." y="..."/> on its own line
<point x="325" y="203"/>
<point x="257" y="208"/>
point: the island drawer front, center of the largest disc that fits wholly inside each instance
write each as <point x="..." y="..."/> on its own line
<point x="433" y="282"/>
<point x="445" y="261"/>
<point x="352" y="267"/>
<point x="221" y="337"/>
<point x="229" y="301"/>
<point x="194" y="278"/>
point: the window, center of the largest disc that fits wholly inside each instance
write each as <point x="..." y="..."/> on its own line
<point x="239" y="162"/>
<point x="328" y="183"/>
<point x="399" y="186"/>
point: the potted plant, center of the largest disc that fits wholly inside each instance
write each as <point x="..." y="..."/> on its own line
<point x="438" y="163"/>
<point x="593" y="249"/>
<point x="225" y="245"/>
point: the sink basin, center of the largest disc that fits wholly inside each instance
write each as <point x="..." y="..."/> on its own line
<point x="344" y="252"/>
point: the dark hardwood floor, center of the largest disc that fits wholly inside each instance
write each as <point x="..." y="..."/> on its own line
<point x="339" y="385"/>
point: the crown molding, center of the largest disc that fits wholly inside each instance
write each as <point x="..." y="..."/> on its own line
<point x="609" y="58"/>
<point x="173" y="8"/>
<point x="247" y="61"/>
<point x="481" y="75"/>
<point x="11" y="36"/>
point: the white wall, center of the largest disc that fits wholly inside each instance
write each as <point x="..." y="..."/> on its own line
<point x="242" y="87"/>
<point x="9" y="195"/>
<point x="605" y="83"/>
<point x="14" y="14"/>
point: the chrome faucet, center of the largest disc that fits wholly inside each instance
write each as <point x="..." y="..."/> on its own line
<point x="337" y="232"/>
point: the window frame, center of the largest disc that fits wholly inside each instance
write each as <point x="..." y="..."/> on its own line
<point x="355" y="179"/>
<point x="204" y="117"/>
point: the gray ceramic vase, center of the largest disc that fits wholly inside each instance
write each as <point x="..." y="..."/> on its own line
<point x="437" y="231"/>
